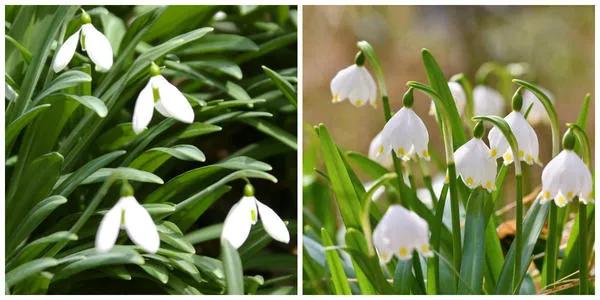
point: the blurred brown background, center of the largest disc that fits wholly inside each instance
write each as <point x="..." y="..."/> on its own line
<point x="556" y="41"/>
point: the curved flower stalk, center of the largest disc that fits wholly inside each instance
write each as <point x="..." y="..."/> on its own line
<point x="245" y="213"/>
<point x="129" y="215"/>
<point x="538" y="114"/>
<point x="399" y="233"/>
<point x="566" y="176"/>
<point x="405" y="133"/>
<point x="474" y="162"/>
<point x="384" y="160"/>
<point x="487" y="101"/>
<point x="165" y="97"/>
<point x="354" y="83"/>
<point x="524" y="133"/>
<point x="460" y="98"/>
<point x="92" y="41"/>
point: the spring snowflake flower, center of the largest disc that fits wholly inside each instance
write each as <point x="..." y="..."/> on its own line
<point x="405" y="133"/>
<point x="566" y="176"/>
<point x="354" y="83"/>
<point x="384" y="160"/>
<point x="127" y="214"/>
<point x="399" y="233"/>
<point x="538" y="114"/>
<point x="245" y="213"/>
<point x="526" y="138"/>
<point x="487" y="101"/>
<point x="165" y="97"/>
<point x="474" y="162"/>
<point x="460" y="99"/>
<point x="92" y="41"/>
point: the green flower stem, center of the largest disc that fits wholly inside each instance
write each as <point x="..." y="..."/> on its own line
<point x="416" y="261"/>
<point x="433" y="274"/>
<point x="454" y="209"/>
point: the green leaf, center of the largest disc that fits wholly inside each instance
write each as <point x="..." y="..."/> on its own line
<point x="236" y="91"/>
<point x="64" y="80"/>
<point x="366" y="266"/>
<point x="156" y="270"/>
<point x="472" y="268"/>
<point x="116" y="137"/>
<point x="272" y="130"/>
<point x="153" y="158"/>
<point x="174" y="238"/>
<point x="114" y="29"/>
<point x="35" y="248"/>
<point x="204" y="234"/>
<point x="218" y="66"/>
<point x="121" y="173"/>
<point x="90" y="102"/>
<point x="219" y="43"/>
<point x="185" y="218"/>
<point x="338" y="277"/>
<point x="370" y="167"/>
<point x="198" y="129"/>
<point x="403" y="277"/>
<point x="24" y="52"/>
<point x="14" y="128"/>
<point x="286" y="88"/>
<point x="268" y="47"/>
<point x="232" y="267"/>
<point x="29" y="269"/>
<point x="98" y="260"/>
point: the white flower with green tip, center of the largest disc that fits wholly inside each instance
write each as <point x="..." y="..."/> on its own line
<point x="487" y="101"/>
<point x="474" y="162"/>
<point x="537" y="114"/>
<point x="354" y="83"/>
<point x="384" y="160"/>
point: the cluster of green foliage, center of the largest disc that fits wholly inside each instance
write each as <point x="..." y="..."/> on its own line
<point x="69" y="143"/>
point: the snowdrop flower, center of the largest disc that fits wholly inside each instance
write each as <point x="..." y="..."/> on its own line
<point x="487" y="101"/>
<point x="538" y="113"/>
<point x="384" y="160"/>
<point x="92" y="41"/>
<point x="165" y="97"/>
<point x="245" y="213"/>
<point x="526" y="137"/>
<point x="405" y="133"/>
<point x="399" y="233"/>
<point x="460" y="99"/>
<point x="474" y="162"/>
<point x="127" y="214"/>
<point x="354" y="83"/>
<point x="566" y="176"/>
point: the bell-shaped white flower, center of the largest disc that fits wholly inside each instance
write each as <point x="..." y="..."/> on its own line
<point x="526" y="139"/>
<point x="538" y="114"/>
<point x="474" y="162"/>
<point x="92" y="41"/>
<point x="127" y="214"/>
<point x="460" y="99"/>
<point x="245" y="213"/>
<point x="487" y="101"/>
<point x="566" y="176"/>
<point x="405" y="133"/>
<point x="383" y="159"/>
<point x="399" y="233"/>
<point x="354" y="83"/>
<point x="165" y="97"/>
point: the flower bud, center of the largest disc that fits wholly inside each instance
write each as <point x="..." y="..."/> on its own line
<point x="408" y="99"/>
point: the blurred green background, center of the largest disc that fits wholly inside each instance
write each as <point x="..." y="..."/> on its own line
<point x="556" y="41"/>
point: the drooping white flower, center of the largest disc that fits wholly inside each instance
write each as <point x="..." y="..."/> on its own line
<point x="475" y="164"/>
<point x="406" y="135"/>
<point x="127" y="214"/>
<point x="92" y="41"/>
<point x="487" y="101"/>
<point x="383" y="159"/>
<point x="399" y="233"/>
<point x="356" y="84"/>
<point x="538" y="112"/>
<point x="165" y="97"/>
<point x="566" y="176"/>
<point x="526" y="139"/>
<point x="460" y="99"/>
<point x="244" y="214"/>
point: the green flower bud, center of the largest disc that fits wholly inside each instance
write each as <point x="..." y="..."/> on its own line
<point x="154" y="69"/>
<point x="569" y="140"/>
<point x="126" y="189"/>
<point x="359" y="59"/>
<point x="517" y="100"/>
<point x="408" y="100"/>
<point x="248" y="190"/>
<point x="85" y="17"/>
<point x="478" y="130"/>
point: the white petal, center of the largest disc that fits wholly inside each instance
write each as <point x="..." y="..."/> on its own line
<point x="525" y="135"/>
<point x="538" y="112"/>
<point x="458" y="93"/>
<point x="173" y="101"/>
<point x="272" y="223"/>
<point x="108" y="231"/>
<point x="342" y="83"/>
<point x="140" y="226"/>
<point x="97" y="47"/>
<point x="376" y="149"/>
<point x="487" y="101"/>
<point x="66" y="52"/>
<point x="239" y="221"/>
<point x="143" y="110"/>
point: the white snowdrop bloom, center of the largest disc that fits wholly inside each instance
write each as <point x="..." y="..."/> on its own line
<point x="526" y="139"/>
<point x="487" y="101"/>
<point x="538" y="113"/>
<point x="475" y="164"/>
<point x="127" y="214"/>
<point x="245" y="213"/>
<point x="399" y="233"/>
<point x="92" y="41"/>
<point x="566" y="176"/>
<point x="460" y="99"/>
<point x="406" y="135"/>
<point x="165" y="97"/>
<point x="384" y="160"/>
<point x="356" y="84"/>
